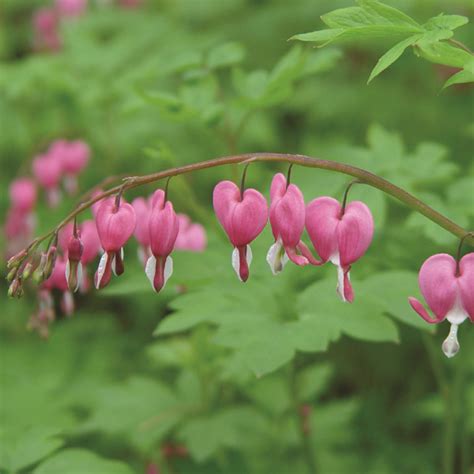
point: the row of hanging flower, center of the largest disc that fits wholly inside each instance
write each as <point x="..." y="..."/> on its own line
<point x="47" y="21"/>
<point x="340" y="234"/>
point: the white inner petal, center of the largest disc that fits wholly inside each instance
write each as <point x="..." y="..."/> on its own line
<point x="68" y="271"/>
<point x="113" y="261"/>
<point x="450" y="345"/>
<point x="150" y="269"/>
<point x="236" y="259"/>
<point x="340" y="283"/>
<point x="168" y="269"/>
<point x="277" y="257"/>
<point x="457" y="314"/>
<point x="79" y="276"/>
<point x="101" y="269"/>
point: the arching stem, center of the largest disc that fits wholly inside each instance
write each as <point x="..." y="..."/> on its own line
<point x="346" y="194"/>
<point x="302" y="160"/>
<point x="458" y="254"/>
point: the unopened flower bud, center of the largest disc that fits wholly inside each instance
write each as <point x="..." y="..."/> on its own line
<point x="50" y="261"/>
<point x="15" y="261"/>
<point x="15" y="289"/>
<point x="38" y="274"/>
<point x="27" y="271"/>
<point x="11" y="274"/>
<point x="75" y="249"/>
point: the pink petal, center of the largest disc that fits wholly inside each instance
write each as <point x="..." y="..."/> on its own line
<point x="287" y="211"/>
<point x="163" y="229"/>
<point x="248" y="218"/>
<point x="420" y="309"/>
<point x="225" y="197"/>
<point x="466" y="284"/>
<point x="23" y="194"/>
<point x="115" y="226"/>
<point x="437" y="280"/>
<point x="322" y="219"/>
<point x="278" y="187"/>
<point x="142" y="211"/>
<point x="90" y="240"/>
<point x="354" y="232"/>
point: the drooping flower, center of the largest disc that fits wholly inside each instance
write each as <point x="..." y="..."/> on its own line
<point x="243" y="217"/>
<point x="71" y="8"/>
<point x="163" y="228"/>
<point x="75" y="249"/>
<point x="191" y="236"/>
<point x="287" y="218"/>
<point x="142" y="208"/>
<point x="90" y="240"/>
<point x="73" y="157"/>
<point x="115" y="221"/>
<point x="23" y="195"/>
<point x="46" y="30"/>
<point x="48" y="170"/>
<point x="57" y="280"/>
<point x="448" y="289"/>
<point x="340" y="236"/>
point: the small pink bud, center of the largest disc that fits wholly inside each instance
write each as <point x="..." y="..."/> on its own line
<point x="340" y="237"/>
<point x="243" y="218"/>
<point x="163" y="229"/>
<point x="73" y="266"/>
<point x="115" y="225"/>
<point x="448" y="291"/>
<point x="23" y="195"/>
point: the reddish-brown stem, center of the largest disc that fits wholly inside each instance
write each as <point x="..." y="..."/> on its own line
<point x="302" y="160"/>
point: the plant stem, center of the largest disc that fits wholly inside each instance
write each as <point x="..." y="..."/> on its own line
<point x="302" y="160"/>
<point x="305" y="434"/>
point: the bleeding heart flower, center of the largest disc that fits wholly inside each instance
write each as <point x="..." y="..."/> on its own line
<point x="448" y="289"/>
<point x="74" y="157"/>
<point x="163" y="229"/>
<point x="341" y="236"/>
<point x="48" y="170"/>
<point x="191" y="236"/>
<point x="115" y="221"/>
<point x="90" y="240"/>
<point x="23" y="195"/>
<point x="71" y="8"/>
<point x="287" y="218"/>
<point x="142" y="232"/>
<point x="243" y="217"/>
<point x="45" y="24"/>
<point x="57" y="280"/>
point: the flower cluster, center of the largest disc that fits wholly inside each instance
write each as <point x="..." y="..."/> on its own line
<point x="339" y="234"/>
<point x="47" y="21"/>
<point x="64" y="160"/>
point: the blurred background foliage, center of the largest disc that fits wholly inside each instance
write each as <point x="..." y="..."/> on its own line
<point x="210" y="375"/>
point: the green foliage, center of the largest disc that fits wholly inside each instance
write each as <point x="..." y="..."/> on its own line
<point x="373" y="20"/>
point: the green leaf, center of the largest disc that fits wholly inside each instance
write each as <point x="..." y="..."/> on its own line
<point x="81" y="461"/>
<point x="449" y="22"/>
<point x="391" y="290"/>
<point x="27" y="446"/>
<point x="462" y="77"/>
<point x="369" y="12"/>
<point x="321" y="36"/>
<point x="225" y="55"/>
<point x="392" y="55"/>
<point x="443" y="53"/>
<point x="230" y="428"/>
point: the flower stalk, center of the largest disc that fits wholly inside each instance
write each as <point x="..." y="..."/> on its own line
<point x="301" y="160"/>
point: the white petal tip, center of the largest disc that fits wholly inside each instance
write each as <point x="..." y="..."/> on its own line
<point x="450" y="345"/>
<point x="277" y="257"/>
